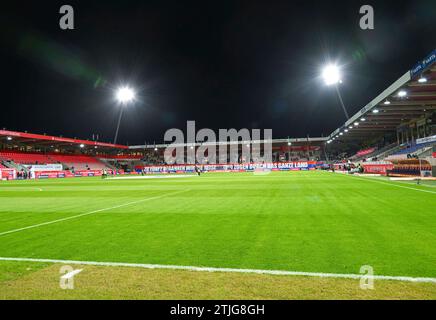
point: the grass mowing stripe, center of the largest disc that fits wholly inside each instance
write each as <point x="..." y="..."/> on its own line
<point x="88" y="213"/>
<point x="231" y="270"/>
<point x="2" y="189"/>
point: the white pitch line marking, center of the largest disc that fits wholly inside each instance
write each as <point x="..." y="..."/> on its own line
<point x="422" y="185"/>
<point x="71" y="274"/>
<point x="230" y="270"/>
<point x="88" y="213"/>
<point x="390" y="184"/>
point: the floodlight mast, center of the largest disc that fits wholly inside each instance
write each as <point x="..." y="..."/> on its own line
<point x="332" y="76"/>
<point x="124" y="95"/>
<point x="342" y="102"/>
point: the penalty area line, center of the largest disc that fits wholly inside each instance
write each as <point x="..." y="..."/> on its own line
<point x="229" y="270"/>
<point x="89" y="213"/>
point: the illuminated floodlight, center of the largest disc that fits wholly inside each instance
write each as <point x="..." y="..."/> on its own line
<point x="346" y="130"/>
<point x="387" y="102"/>
<point x="155" y="149"/>
<point x="402" y="93"/>
<point x="125" y="95"/>
<point x="350" y="127"/>
<point x="362" y="119"/>
<point x="9" y="138"/>
<point x="81" y="145"/>
<point x="341" y="134"/>
<point x="331" y="75"/>
<point x="289" y="143"/>
<point x="422" y="80"/>
<point x="248" y="146"/>
<point x="356" y="124"/>
<point x="375" y="111"/>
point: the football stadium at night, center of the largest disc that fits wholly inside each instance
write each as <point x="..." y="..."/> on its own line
<point x="118" y="186"/>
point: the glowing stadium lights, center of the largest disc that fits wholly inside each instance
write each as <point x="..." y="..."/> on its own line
<point x="341" y="134"/>
<point x="350" y="127"/>
<point x="346" y="130"/>
<point x="356" y="124"/>
<point x="422" y="80"/>
<point x="375" y="111"/>
<point x="82" y="145"/>
<point x="125" y="95"/>
<point x="387" y="102"/>
<point x="362" y="120"/>
<point x="9" y="138"/>
<point x="155" y="149"/>
<point x="331" y="74"/>
<point x="402" y="93"/>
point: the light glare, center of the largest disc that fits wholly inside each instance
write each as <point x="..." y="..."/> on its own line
<point x="331" y="75"/>
<point x="125" y="94"/>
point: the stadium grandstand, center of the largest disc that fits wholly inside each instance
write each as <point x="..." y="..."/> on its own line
<point x="395" y="133"/>
<point x="53" y="157"/>
<point x="396" y="127"/>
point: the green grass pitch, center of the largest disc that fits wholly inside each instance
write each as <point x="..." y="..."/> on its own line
<point x="296" y="221"/>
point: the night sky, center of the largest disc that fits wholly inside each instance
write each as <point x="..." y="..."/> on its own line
<point x="224" y="64"/>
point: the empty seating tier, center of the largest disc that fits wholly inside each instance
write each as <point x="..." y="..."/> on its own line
<point x="24" y="158"/>
<point x="76" y="162"/>
<point x="80" y="162"/>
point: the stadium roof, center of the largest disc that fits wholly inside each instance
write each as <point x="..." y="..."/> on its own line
<point x="42" y="140"/>
<point x="407" y="99"/>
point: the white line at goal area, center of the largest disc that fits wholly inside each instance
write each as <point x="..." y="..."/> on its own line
<point x="231" y="270"/>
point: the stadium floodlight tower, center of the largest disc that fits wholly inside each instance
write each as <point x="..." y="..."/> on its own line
<point x="332" y="77"/>
<point x="124" y="96"/>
